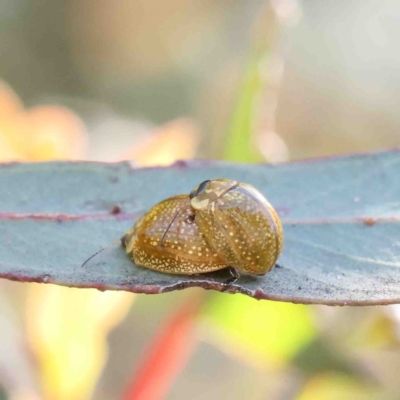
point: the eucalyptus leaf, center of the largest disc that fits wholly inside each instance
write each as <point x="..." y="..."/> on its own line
<point x="341" y="220"/>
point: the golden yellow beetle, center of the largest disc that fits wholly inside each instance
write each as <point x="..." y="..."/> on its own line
<point x="220" y="224"/>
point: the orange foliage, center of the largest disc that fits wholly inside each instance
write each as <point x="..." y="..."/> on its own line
<point x="175" y="140"/>
<point x="40" y="133"/>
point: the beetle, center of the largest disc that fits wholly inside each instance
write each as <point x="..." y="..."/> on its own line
<point x="221" y="224"/>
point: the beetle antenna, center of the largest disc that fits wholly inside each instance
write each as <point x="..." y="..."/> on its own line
<point x="169" y="226"/>
<point x="104" y="248"/>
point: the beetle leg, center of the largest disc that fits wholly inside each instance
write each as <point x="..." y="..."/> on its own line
<point x="234" y="276"/>
<point x="123" y="240"/>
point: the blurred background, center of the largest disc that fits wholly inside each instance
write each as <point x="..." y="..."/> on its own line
<point x="159" y="80"/>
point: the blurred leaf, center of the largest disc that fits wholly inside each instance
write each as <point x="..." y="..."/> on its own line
<point x="7" y="152"/>
<point x="376" y="330"/>
<point x="68" y="329"/>
<point x="240" y="143"/>
<point x="170" y="142"/>
<point x="273" y="332"/>
<point x="243" y="135"/>
<point x="40" y="133"/>
<point x="319" y="356"/>
<point x="10" y="104"/>
<point x="336" y="386"/>
<point x="341" y="221"/>
<point x="53" y="133"/>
